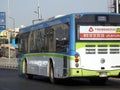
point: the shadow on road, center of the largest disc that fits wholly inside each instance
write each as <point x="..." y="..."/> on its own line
<point x="77" y="82"/>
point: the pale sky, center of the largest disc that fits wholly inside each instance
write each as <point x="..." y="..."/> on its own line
<point x="23" y="10"/>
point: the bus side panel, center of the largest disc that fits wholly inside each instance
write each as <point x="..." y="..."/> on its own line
<point x="36" y="65"/>
<point x="61" y="67"/>
<point x="39" y="65"/>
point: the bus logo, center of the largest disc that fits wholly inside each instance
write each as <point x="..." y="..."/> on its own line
<point x="91" y="29"/>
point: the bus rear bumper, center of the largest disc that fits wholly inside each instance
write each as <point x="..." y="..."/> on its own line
<point x="93" y="73"/>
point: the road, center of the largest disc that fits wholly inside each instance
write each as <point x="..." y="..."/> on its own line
<point x="9" y="80"/>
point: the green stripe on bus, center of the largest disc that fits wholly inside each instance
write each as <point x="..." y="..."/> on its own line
<point x="96" y="44"/>
<point x="79" y="73"/>
<point x="48" y="55"/>
<point x="88" y="73"/>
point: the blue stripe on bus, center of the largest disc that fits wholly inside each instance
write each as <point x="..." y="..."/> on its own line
<point x="72" y="35"/>
<point x="44" y="24"/>
<point x="48" y="23"/>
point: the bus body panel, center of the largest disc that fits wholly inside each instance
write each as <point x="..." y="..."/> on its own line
<point x="99" y="59"/>
<point x="38" y="64"/>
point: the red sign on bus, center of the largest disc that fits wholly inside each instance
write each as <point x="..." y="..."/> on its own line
<point x="99" y="33"/>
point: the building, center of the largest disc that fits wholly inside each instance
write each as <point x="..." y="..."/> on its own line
<point x="4" y="42"/>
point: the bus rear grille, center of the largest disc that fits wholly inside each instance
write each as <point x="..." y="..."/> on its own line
<point x="102" y="49"/>
<point x="114" y="49"/>
<point x="90" y="49"/>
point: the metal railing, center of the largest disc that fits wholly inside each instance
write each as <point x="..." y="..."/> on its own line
<point x="5" y="63"/>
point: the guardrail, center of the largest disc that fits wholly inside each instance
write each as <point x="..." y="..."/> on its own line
<point x="5" y="63"/>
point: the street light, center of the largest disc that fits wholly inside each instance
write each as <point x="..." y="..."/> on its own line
<point x="38" y="13"/>
<point x="8" y="11"/>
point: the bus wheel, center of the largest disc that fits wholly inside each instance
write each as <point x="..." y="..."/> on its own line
<point x="52" y="78"/>
<point x="28" y="76"/>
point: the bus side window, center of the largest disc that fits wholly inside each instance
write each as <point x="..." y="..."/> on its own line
<point x="62" y="38"/>
<point x="50" y="40"/>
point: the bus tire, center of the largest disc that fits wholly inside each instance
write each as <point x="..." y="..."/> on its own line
<point x="28" y="76"/>
<point x="51" y="75"/>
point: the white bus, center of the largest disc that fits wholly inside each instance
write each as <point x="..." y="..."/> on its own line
<point x="80" y="45"/>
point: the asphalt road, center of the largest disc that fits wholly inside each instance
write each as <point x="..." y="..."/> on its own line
<point x="9" y="80"/>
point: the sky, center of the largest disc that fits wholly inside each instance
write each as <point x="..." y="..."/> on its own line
<point x="23" y="10"/>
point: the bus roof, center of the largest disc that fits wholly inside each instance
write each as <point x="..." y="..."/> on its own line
<point x="58" y="20"/>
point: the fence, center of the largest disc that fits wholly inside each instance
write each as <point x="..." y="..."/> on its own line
<point x="5" y="63"/>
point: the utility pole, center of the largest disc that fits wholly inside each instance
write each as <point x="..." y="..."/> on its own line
<point x="13" y="32"/>
<point x="116" y="6"/>
<point x="38" y="12"/>
<point x="8" y="30"/>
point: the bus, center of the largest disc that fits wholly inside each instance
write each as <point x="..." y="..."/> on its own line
<point x="78" y="45"/>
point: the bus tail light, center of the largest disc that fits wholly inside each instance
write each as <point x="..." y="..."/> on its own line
<point x="76" y="56"/>
<point x="76" y="60"/>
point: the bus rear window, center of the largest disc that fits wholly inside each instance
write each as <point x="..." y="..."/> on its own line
<point x="101" y="18"/>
